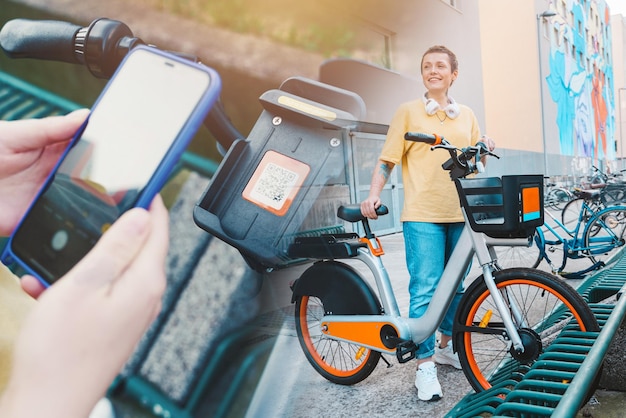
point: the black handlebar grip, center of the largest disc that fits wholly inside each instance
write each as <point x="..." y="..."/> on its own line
<point x="421" y="137"/>
<point x="41" y="39"/>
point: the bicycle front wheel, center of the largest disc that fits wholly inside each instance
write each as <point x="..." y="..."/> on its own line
<point x="541" y="306"/>
<point x="338" y="361"/>
<point x="605" y="234"/>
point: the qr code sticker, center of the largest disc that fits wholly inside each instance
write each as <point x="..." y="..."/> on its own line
<point x="274" y="185"/>
<point x="276" y="182"/>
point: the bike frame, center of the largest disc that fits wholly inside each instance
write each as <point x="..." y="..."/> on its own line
<point x="365" y="330"/>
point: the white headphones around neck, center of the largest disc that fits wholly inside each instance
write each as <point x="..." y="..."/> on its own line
<point x="452" y="109"/>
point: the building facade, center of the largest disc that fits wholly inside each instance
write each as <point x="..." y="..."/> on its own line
<point x="542" y="77"/>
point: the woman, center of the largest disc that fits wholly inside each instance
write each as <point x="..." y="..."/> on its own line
<point x="431" y="218"/>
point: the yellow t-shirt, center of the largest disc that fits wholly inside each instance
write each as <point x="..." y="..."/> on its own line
<point x="14" y="306"/>
<point x="429" y="194"/>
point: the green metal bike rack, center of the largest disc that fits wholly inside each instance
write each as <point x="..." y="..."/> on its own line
<point x="556" y="384"/>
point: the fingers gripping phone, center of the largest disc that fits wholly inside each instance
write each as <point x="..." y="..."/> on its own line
<point x="119" y="159"/>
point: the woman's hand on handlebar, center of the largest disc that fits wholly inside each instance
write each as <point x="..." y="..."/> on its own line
<point x="491" y="144"/>
<point x="369" y="206"/>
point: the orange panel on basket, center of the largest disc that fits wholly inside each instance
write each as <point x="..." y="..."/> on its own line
<point x="531" y="204"/>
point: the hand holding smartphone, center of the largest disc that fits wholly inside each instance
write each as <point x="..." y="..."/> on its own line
<point x="119" y="159"/>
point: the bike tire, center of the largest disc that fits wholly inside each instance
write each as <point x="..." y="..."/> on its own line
<point x="519" y="256"/>
<point x="571" y="213"/>
<point x="340" y="362"/>
<point x="557" y="198"/>
<point x="605" y="234"/>
<point x="546" y="303"/>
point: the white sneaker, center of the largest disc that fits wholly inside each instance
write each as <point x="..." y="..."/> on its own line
<point x="426" y="382"/>
<point x="447" y="356"/>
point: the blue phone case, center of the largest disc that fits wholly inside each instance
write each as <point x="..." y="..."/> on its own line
<point x="164" y="169"/>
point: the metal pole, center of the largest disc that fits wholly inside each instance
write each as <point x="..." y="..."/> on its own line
<point x="621" y="126"/>
<point x="545" y="14"/>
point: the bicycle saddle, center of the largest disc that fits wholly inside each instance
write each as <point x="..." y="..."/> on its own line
<point x="588" y="193"/>
<point x="352" y="213"/>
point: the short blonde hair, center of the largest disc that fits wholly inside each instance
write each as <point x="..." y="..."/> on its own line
<point x="454" y="63"/>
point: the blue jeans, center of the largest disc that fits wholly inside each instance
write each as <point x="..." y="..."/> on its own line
<point x="428" y="247"/>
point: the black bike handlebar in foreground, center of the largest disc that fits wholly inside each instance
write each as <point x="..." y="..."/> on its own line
<point x="422" y="137"/>
<point x="101" y="46"/>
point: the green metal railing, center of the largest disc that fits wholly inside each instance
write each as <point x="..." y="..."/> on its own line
<point x="21" y="100"/>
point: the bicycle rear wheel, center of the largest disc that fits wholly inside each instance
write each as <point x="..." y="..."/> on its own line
<point x="605" y="234"/>
<point x="338" y="361"/>
<point x="546" y="305"/>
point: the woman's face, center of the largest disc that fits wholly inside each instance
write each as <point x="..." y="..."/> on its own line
<point x="437" y="73"/>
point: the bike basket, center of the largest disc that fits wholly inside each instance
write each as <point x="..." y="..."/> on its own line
<point x="507" y="207"/>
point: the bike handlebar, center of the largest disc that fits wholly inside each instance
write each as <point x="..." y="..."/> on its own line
<point x="422" y="137"/>
<point x="48" y="40"/>
<point x="101" y="47"/>
<point x="462" y="162"/>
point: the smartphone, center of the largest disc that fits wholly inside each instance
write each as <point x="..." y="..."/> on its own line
<point x="119" y="159"/>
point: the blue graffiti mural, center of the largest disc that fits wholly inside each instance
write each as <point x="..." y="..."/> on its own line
<point x="580" y="80"/>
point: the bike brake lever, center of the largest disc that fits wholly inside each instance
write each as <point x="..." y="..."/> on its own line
<point x="444" y="146"/>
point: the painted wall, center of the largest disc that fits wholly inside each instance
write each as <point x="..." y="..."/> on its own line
<point x="580" y="79"/>
<point x="618" y="27"/>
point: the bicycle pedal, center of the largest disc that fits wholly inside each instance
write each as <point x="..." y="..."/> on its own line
<point x="405" y="351"/>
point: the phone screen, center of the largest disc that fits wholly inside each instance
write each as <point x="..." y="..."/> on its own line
<point x="130" y="130"/>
